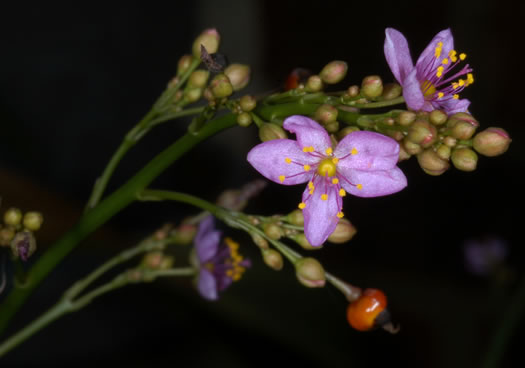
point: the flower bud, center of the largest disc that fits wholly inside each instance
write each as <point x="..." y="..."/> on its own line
<point x="450" y="141"/>
<point x="314" y="84"/>
<point x="296" y="218"/>
<point x="13" y="216"/>
<point x="33" y="220"/>
<point x="184" y="64"/>
<point x="492" y="142"/>
<point x="239" y="75"/>
<point x="303" y="242"/>
<point x="23" y="245"/>
<point x="464" y="159"/>
<point x="192" y="94"/>
<point x="391" y="91"/>
<point x="334" y="72"/>
<point x="152" y="260"/>
<point x="332" y="127"/>
<point x="372" y="86"/>
<point x="353" y="91"/>
<point x="405" y="118"/>
<point x="269" y="131"/>
<point x="273" y="259"/>
<point x="438" y="117"/>
<point x="443" y="151"/>
<point x="344" y="231"/>
<point x="431" y="163"/>
<point x="310" y="272"/>
<point x="210" y="39"/>
<point x="247" y="103"/>
<point x="6" y="235"/>
<point x="403" y="154"/>
<point x="346" y="130"/>
<point x="221" y="86"/>
<point x="411" y="147"/>
<point x="184" y="234"/>
<point x="325" y="114"/>
<point x="422" y="133"/>
<point x="244" y="119"/>
<point x="273" y="231"/>
<point x="462" y="125"/>
<point x="260" y="241"/>
<point x="198" y="78"/>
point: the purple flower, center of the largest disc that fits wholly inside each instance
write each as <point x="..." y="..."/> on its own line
<point x="432" y="83"/>
<point x="363" y="164"/>
<point x="219" y="264"/>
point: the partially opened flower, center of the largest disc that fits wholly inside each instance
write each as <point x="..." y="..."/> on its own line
<point x="219" y="264"/>
<point x="434" y="82"/>
<point x="363" y="164"/>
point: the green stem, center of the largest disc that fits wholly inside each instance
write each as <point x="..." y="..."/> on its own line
<point x="385" y="103"/>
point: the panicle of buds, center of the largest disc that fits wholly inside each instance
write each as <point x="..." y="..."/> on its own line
<point x="491" y="142"/>
<point x="210" y="39"/>
<point x="310" y="272"/>
<point x="372" y="86"/>
<point x="239" y="75"/>
<point x="334" y="72"/>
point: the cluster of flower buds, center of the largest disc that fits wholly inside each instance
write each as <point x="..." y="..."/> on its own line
<point x="242" y="108"/>
<point x="17" y="232"/>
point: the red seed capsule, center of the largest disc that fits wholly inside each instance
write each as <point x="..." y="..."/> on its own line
<point x="362" y="313"/>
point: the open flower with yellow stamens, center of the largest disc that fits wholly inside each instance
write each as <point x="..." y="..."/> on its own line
<point x="363" y="164"/>
<point x="435" y="81"/>
<point x="219" y="265"/>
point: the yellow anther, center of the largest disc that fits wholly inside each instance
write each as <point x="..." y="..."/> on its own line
<point x="461" y="82"/>
<point x="324" y="197"/>
<point x="288" y="160"/>
<point x="329" y="151"/>
<point x="281" y="178"/>
<point x="306" y="167"/>
<point x="312" y="149"/>
<point x="441" y="94"/>
<point x="456" y="96"/>
<point x="340" y="214"/>
<point x="302" y="205"/>
<point x="455" y="85"/>
<point x="354" y="151"/>
<point x="462" y="56"/>
<point x="437" y="52"/>
<point x="452" y="55"/>
<point x="311" y="191"/>
<point x="470" y="78"/>
<point x="335" y="181"/>
<point x="306" y="149"/>
<point x="439" y="72"/>
<point x="342" y="192"/>
<point x="444" y="61"/>
<point x="359" y="186"/>
<point x="335" y="160"/>
<point x="311" y="185"/>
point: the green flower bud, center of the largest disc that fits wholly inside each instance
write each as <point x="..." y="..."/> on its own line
<point x="247" y="103"/>
<point x="403" y="154"/>
<point x="372" y="86"/>
<point x="210" y="39"/>
<point x="303" y="242"/>
<point x="33" y="220"/>
<point x="344" y="231"/>
<point x="391" y="91"/>
<point x="405" y="118"/>
<point x="492" y="142"/>
<point x="273" y="259"/>
<point x="314" y="84"/>
<point x="269" y="131"/>
<point x="23" y="245"/>
<point x="244" y="119"/>
<point x="422" y="133"/>
<point x="464" y="159"/>
<point x="450" y="141"/>
<point x="152" y="260"/>
<point x="438" y="117"/>
<point x="198" y="78"/>
<point x="431" y="163"/>
<point x="260" y="241"/>
<point x="462" y="125"/>
<point x="184" y="64"/>
<point x="296" y="218"/>
<point x="443" y="151"/>
<point x="332" y="127"/>
<point x="13" y="216"/>
<point x="346" y="130"/>
<point x="334" y="72"/>
<point x="411" y="147"/>
<point x="184" y="234"/>
<point x="325" y="114"/>
<point x="192" y="94"/>
<point x="6" y="235"/>
<point x="221" y="86"/>
<point x="353" y="91"/>
<point x="310" y="272"/>
<point x="273" y="231"/>
<point x="239" y="75"/>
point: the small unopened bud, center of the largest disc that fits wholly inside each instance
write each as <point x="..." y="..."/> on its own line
<point x="300" y="239"/>
<point x="347" y="130"/>
<point x="210" y="39"/>
<point x="438" y="117"/>
<point x="296" y="218"/>
<point x="334" y="72"/>
<point x="260" y="241"/>
<point x="450" y="141"/>
<point x="152" y="260"/>
<point x="353" y="91"/>
<point x="462" y="125"/>
<point x="411" y="147"/>
<point x="422" y="133"/>
<point x="23" y="245"/>
<point x="239" y="75"/>
<point x="273" y="231"/>
<point x="332" y="127"/>
<point x="314" y="84"/>
<point x="344" y="231"/>
<point x="391" y="91"/>
<point x="310" y="272"/>
<point x="244" y="119"/>
<point x="269" y="131"/>
<point x="192" y="94"/>
<point x="13" y="216"/>
<point x="372" y="86"/>
<point x="431" y="163"/>
<point x="184" y="234"/>
<point x="405" y="118"/>
<point x="464" y="159"/>
<point x="325" y="114"/>
<point x="184" y="64"/>
<point x="443" y="151"/>
<point x="273" y="259"/>
<point x="198" y="78"/>
<point x="33" y="220"/>
<point x="247" y="103"/>
<point x="6" y="235"/>
<point x="221" y="86"/>
<point x="492" y="142"/>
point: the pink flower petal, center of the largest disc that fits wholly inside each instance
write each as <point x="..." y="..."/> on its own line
<point x="207" y="285"/>
<point x="269" y="158"/>
<point x="207" y="240"/>
<point x="427" y="55"/>
<point x="374" y="183"/>
<point x="366" y="151"/>
<point x="320" y="216"/>
<point x="308" y="132"/>
<point x="412" y="91"/>
<point x="451" y="106"/>
<point x="397" y="54"/>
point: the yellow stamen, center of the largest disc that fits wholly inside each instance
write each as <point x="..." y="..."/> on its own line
<point x="302" y="205"/>
<point x="461" y="82"/>
<point x="308" y="149"/>
<point x="456" y="96"/>
<point x="335" y="181"/>
<point x="342" y="192"/>
<point x="340" y="214"/>
<point x="324" y="197"/>
<point x="444" y="61"/>
<point x="441" y="94"/>
<point x="437" y="51"/>
<point x="335" y="160"/>
<point x="439" y="72"/>
<point x="452" y="55"/>
<point x="329" y="151"/>
<point x="428" y="88"/>
<point x="354" y="151"/>
<point x="359" y="186"/>
<point x="462" y="56"/>
<point x="281" y="178"/>
<point x="455" y="85"/>
<point x="306" y="167"/>
<point x="470" y="78"/>
<point x="288" y="160"/>
<point x="311" y="185"/>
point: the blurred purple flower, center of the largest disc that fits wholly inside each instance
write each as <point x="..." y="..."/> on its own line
<point x="426" y="85"/>
<point x="219" y="264"/>
<point x="483" y="255"/>
<point x="363" y="164"/>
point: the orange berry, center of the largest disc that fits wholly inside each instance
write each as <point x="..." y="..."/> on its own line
<point x="362" y="313"/>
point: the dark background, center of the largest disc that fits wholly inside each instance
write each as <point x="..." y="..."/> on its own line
<point x="74" y="79"/>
